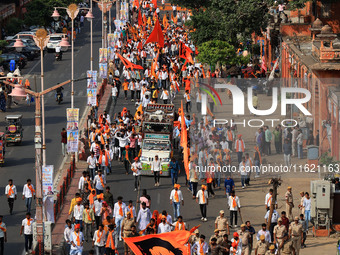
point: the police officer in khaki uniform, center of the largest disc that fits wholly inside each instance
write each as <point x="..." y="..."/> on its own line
<point x="219" y="239"/>
<point x="296" y="234"/>
<point x="222" y="224"/>
<point x="262" y="246"/>
<point x="279" y="232"/>
<point x="286" y="247"/>
<point x="128" y="222"/>
<point x="272" y="250"/>
<point x="194" y="238"/>
<point x="245" y="238"/>
<point x="289" y="203"/>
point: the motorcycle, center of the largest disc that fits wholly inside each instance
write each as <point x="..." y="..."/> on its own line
<point x="58" y="56"/>
<point x="59" y="97"/>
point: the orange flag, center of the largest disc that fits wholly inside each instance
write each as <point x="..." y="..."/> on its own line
<point x="139" y="109"/>
<point x="184" y="142"/>
<point x="128" y="64"/>
<point x="156" y="35"/>
<point x="144" y="19"/>
<point x="165" y="22"/>
<point x="154" y="3"/>
<point x="140" y="20"/>
<point x="154" y="65"/>
<point x="165" y="243"/>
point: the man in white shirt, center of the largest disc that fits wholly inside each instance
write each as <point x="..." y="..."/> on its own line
<point x="264" y="232"/>
<point x="27" y="227"/>
<point x="11" y="193"/>
<point x="144" y="216"/>
<point x="82" y="181"/>
<point x="77" y="241"/>
<point x="114" y="93"/>
<point x="99" y="239"/>
<point x="176" y="198"/>
<point x="201" y="247"/>
<point x="202" y="200"/>
<point x="156" y="169"/>
<point x="165" y="96"/>
<point x="78" y="212"/>
<point x="163" y="227"/>
<point x="273" y="222"/>
<point x="98" y="204"/>
<point x="307" y="206"/>
<point x="92" y="162"/>
<point x="234" y="207"/>
<point x="67" y="235"/>
<point x="269" y="199"/>
<point x="136" y="167"/>
<point x="118" y="214"/>
<point x="99" y="182"/>
<point x="28" y="193"/>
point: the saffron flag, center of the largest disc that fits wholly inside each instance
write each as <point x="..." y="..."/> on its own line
<point x="139" y="109"/>
<point x="165" y="22"/>
<point x="144" y="20"/>
<point x="184" y="142"/>
<point x="128" y="64"/>
<point x="170" y="243"/>
<point x="135" y="4"/>
<point x="154" y="66"/>
<point x="185" y="53"/>
<point x="140" y="19"/>
<point x="156" y="35"/>
<point x="154" y="3"/>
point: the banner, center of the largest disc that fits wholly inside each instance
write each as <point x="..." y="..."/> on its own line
<point x="72" y="129"/>
<point x="103" y="70"/>
<point x="92" y="79"/>
<point x="111" y="54"/>
<point x="103" y="55"/>
<point x="111" y="40"/>
<point x="91" y="97"/>
<point x="47" y="180"/>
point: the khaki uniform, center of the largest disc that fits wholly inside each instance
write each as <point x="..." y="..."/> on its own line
<point x="287" y="248"/>
<point x="127" y="223"/>
<point x="244" y="237"/>
<point x="193" y="239"/>
<point x="269" y="253"/>
<point x="222" y="224"/>
<point x="289" y="205"/>
<point x="262" y="247"/>
<point x="301" y="203"/>
<point x="296" y="231"/>
<point x="279" y="232"/>
<point x="219" y="239"/>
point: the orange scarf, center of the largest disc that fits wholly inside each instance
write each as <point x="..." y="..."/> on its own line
<point x="237" y="146"/>
<point x="120" y="210"/>
<point x="230" y="135"/>
<point x="203" y="196"/>
<point x="101" y="181"/>
<point x="91" y="199"/>
<point x="188" y="97"/>
<point x="29" y="221"/>
<point x="88" y="215"/>
<point x="234" y="201"/>
<point x="257" y="150"/>
<point x="99" y="236"/>
<point x="78" y="238"/>
<point x="176" y="196"/>
<point x="10" y="191"/>
<point x="179" y="226"/>
<point x="201" y="248"/>
<point x="109" y="241"/>
<point x="106" y="158"/>
<point x="127" y="155"/>
<point x="89" y="184"/>
<point x="3" y="229"/>
<point x="31" y="189"/>
<point x="269" y="201"/>
<point x="131" y="211"/>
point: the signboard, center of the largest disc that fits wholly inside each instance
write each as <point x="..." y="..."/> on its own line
<point x="103" y="70"/>
<point x="156" y="136"/>
<point x="47" y="180"/>
<point x="92" y="79"/>
<point x="72" y="129"/>
<point x="168" y="107"/>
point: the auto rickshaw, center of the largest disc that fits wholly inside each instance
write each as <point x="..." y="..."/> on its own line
<point x="14" y="130"/>
<point x="2" y="149"/>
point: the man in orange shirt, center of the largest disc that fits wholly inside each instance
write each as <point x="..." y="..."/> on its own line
<point x="126" y="88"/>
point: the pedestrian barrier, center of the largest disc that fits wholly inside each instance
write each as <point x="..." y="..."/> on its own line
<point x="63" y="189"/>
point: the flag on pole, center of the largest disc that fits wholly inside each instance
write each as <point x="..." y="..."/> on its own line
<point x="156" y="35"/>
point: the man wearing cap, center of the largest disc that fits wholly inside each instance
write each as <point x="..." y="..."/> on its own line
<point x="234" y="207"/>
<point x="286" y="247"/>
<point x="279" y="232"/>
<point x="245" y="239"/>
<point x="239" y="148"/>
<point x="176" y="198"/>
<point x="217" y="236"/>
<point x="98" y="204"/>
<point x="118" y="214"/>
<point x="272" y="250"/>
<point x="77" y="241"/>
<point x="136" y="167"/>
<point x="221" y="223"/>
<point x="236" y="245"/>
<point x="202" y="200"/>
<point x="289" y="203"/>
<point x="78" y="212"/>
<point x="194" y="238"/>
<point x="99" y="182"/>
<point x="163" y="227"/>
<point x="128" y="222"/>
<point x="3" y="235"/>
<point x="296" y="234"/>
<point x="262" y="246"/>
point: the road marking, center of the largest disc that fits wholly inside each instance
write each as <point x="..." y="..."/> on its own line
<point x="33" y="67"/>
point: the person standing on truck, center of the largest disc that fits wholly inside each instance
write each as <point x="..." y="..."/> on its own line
<point x="156" y="170"/>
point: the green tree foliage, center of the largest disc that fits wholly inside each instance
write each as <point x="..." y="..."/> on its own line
<point x="39" y="11"/>
<point x="13" y="26"/>
<point x="222" y="52"/>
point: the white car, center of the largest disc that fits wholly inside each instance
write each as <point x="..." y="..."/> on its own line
<point x="54" y="41"/>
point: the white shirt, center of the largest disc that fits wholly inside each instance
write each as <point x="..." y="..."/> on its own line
<point x="127" y="209"/>
<point x="230" y="203"/>
<point x="92" y="161"/>
<point x="172" y="195"/>
<point x="78" y="212"/>
<point x="238" y="249"/>
<point x="81" y="183"/>
<point x="97" y="207"/>
<point x="97" y="182"/>
<point x="57" y="49"/>
<point x="74" y="240"/>
<point x="243" y="168"/>
<point x="200" y="194"/>
<point x="163" y="228"/>
<point x="164" y="95"/>
<point x="102" y="239"/>
<point x="14" y="191"/>
<point x="156" y="165"/>
<point x="27" y="192"/>
<point x="196" y="247"/>
<point x="307" y="204"/>
<point x="116" y="210"/>
<point x="275" y="216"/>
<point x="225" y="145"/>
<point x="180" y="226"/>
<point x="3" y="225"/>
<point x="144" y="216"/>
<point x="114" y="91"/>
<point x="67" y="234"/>
<point x="28" y="230"/>
<point x="136" y="166"/>
<point x="265" y="233"/>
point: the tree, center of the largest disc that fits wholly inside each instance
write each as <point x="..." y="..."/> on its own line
<point x="222" y="52"/>
<point x="192" y="4"/>
<point x="13" y="26"/>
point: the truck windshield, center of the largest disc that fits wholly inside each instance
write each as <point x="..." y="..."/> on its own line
<point x="156" y="145"/>
<point x="157" y="127"/>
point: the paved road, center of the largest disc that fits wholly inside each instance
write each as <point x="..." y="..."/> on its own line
<point x="20" y="159"/>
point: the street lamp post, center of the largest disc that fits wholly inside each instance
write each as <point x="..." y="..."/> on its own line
<point x="104" y="6"/>
<point x="72" y="11"/>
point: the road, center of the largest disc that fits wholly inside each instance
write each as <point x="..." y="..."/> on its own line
<point x="19" y="164"/>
